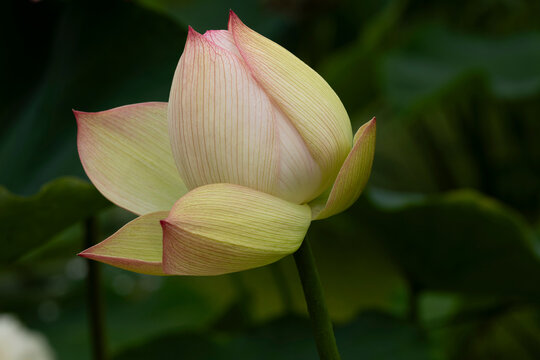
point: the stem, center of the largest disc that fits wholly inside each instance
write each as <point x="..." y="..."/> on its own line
<point x="318" y="313"/>
<point x="94" y="299"/>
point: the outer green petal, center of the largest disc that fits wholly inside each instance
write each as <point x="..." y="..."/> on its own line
<point x="137" y="246"/>
<point x="126" y="153"/>
<point x="352" y="177"/>
<point x="303" y="95"/>
<point x="222" y="228"/>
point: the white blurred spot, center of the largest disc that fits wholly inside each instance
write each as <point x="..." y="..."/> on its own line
<point x="20" y="343"/>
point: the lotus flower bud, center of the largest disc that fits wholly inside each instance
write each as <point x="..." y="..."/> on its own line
<point x="252" y="145"/>
<point x="244" y="110"/>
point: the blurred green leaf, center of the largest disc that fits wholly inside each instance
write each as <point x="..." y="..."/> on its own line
<point x="356" y="274"/>
<point x="360" y="59"/>
<point x="513" y="334"/>
<point x="28" y="222"/>
<point x="460" y="241"/>
<point x="488" y="330"/>
<point x="372" y="336"/>
<point x="103" y="55"/>
<point x="380" y="336"/>
<point x="436" y="58"/>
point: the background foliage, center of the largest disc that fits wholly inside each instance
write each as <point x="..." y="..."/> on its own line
<point x="438" y="260"/>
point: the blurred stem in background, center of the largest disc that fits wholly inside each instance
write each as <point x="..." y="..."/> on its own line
<point x="94" y="298"/>
<point x="318" y="313"/>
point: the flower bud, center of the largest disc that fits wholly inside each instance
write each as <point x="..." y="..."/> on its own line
<point x="244" y="110"/>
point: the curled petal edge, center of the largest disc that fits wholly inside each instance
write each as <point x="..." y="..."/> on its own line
<point x="352" y="177"/>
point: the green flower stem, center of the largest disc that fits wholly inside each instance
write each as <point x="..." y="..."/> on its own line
<point x="94" y="297"/>
<point x="318" y="313"/>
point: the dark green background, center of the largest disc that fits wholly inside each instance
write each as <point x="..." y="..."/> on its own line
<point x="439" y="259"/>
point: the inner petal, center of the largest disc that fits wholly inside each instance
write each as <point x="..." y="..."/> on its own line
<point x="299" y="175"/>
<point x="220" y="121"/>
<point x="223" y="39"/>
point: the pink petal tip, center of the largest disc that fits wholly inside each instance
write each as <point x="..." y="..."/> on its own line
<point x="77" y="114"/>
<point x="232" y="17"/>
<point x="84" y="254"/>
<point x="192" y="32"/>
<point x="164" y="223"/>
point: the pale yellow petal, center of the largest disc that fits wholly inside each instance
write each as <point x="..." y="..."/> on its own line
<point x="224" y="39"/>
<point x="352" y="177"/>
<point x="303" y="95"/>
<point x="127" y="155"/>
<point x="300" y="177"/>
<point x="220" y="121"/>
<point x="135" y="247"/>
<point x="222" y="228"/>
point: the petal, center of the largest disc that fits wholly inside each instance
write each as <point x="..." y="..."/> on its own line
<point x="137" y="246"/>
<point x="300" y="177"/>
<point x="221" y="122"/>
<point x="302" y="94"/>
<point x="222" y="228"/>
<point x="126" y="153"/>
<point x="352" y="177"/>
<point x="223" y="39"/>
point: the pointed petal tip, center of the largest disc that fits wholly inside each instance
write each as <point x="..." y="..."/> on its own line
<point x="164" y="223"/>
<point x="195" y="38"/>
<point x="192" y="33"/>
<point x="371" y="123"/>
<point x="233" y="18"/>
<point x="83" y="116"/>
<point x="367" y="128"/>
<point x="78" y="115"/>
<point x="88" y="254"/>
<point x="137" y="246"/>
